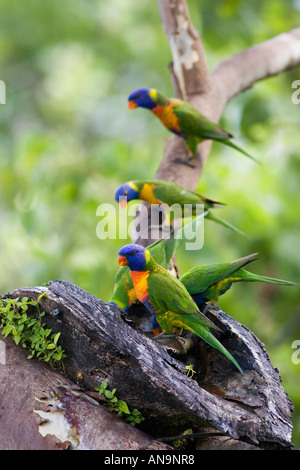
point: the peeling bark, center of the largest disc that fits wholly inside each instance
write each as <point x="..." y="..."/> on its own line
<point x="41" y="409"/>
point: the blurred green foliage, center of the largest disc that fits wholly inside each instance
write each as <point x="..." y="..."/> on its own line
<point x="67" y="140"/>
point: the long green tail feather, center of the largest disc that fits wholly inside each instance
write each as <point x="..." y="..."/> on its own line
<point x="207" y="336"/>
<point x="251" y="277"/>
<point x="223" y="222"/>
<point x="239" y="149"/>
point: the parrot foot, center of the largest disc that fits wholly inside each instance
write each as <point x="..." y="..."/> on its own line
<point x="206" y="308"/>
<point x="127" y="320"/>
<point x="184" y="161"/>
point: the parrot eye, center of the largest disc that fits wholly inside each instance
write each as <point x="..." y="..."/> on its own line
<point x="137" y="96"/>
<point x="133" y="253"/>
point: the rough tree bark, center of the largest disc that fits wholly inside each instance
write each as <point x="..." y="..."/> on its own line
<point x="58" y="409"/>
<point x="251" y="409"/>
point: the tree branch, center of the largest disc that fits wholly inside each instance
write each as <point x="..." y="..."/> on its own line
<point x="243" y="70"/>
<point x="211" y="92"/>
<point x="189" y="65"/>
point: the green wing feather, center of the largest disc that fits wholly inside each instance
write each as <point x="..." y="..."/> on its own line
<point x="123" y="284"/>
<point x="199" y="279"/>
<point x="174" y="308"/>
<point x="192" y="122"/>
<point x="166" y="293"/>
<point x="226" y="224"/>
<point x="171" y="193"/>
<point x="202" y="277"/>
<point x="212" y="341"/>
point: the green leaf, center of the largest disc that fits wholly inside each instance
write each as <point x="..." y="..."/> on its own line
<point x="56" y="337"/>
<point x="108" y="394"/>
<point x="6" y="330"/>
<point x="122" y="405"/>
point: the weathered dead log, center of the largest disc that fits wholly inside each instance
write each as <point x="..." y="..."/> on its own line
<point x="101" y="345"/>
<point x="43" y="410"/>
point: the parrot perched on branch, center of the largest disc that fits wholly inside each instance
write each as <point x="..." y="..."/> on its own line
<point x="162" y="251"/>
<point x="169" y="193"/>
<point x="208" y="283"/>
<point x="182" y="119"/>
<point x="204" y="283"/>
<point x="124" y="294"/>
<point x="167" y="298"/>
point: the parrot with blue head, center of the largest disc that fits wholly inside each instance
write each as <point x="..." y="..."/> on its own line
<point x="167" y="298"/>
<point x="162" y="251"/>
<point x="171" y="194"/>
<point x="182" y="119"/>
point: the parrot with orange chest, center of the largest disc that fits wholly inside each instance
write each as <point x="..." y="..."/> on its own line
<point x="166" y="192"/>
<point x="124" y="294"/>
<point x="182" y="119"/>
<point x="167" y="298"/>
<point x="162" y="251"/>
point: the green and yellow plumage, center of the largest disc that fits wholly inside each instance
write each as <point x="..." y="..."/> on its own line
<point x="162" y="251"/>
<point x="167" y="298"/>
<point x="207" y="283"/>
<point x="182" y="119"/>
<point x="171" y="194"/>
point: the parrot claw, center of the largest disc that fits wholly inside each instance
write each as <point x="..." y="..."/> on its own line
<point x="127" y="320"/>
<point x="184" y="161"/>
<point x="206" y="308"/>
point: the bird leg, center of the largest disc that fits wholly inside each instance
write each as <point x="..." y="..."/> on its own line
<point x="206" y="308"/>
<point x="184" y="161"/>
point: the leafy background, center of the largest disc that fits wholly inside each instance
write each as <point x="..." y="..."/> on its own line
<point x="67" y="140"/>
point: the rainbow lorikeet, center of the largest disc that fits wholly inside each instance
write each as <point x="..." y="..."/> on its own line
<point x="162" y="251"/>
<point x="207" y="283"/>
<point x="167" y="298"/>
<point x="124" y="293"/>
<point x="169" y="193"/>
<point x="182" y="119"/>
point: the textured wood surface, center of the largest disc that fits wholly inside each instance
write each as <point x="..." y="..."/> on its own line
<point x="101" y="345"/>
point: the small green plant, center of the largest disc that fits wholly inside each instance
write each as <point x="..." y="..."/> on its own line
<point x="119" y="406"/>
<point x="190" y="371"/>
<point x="180" y="444"/>
<point x="29" y="331"/>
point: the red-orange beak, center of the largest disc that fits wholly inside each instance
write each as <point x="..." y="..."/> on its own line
<point x="122" y="260"/>
<point x="123" y="203"/>
<point x="132" y="104"/>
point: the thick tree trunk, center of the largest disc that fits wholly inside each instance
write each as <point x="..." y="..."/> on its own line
<point x="43" y="410"/>
<point x="101" y="344"/>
